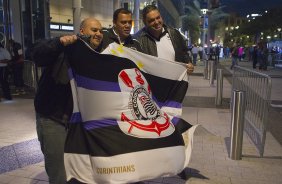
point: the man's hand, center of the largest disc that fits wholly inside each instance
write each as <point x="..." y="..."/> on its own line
<point x="67" y="40"/>
<point x="190" y="68"/>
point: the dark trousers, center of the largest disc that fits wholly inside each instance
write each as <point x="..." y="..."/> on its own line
<point x="195" y="58"/>
<point x="4" y="82"/>
<point x="255" y="61"/>
<point x="52" y="136"/>
<point x="18" y="75"/>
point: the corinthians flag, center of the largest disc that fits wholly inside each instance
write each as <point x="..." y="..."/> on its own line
<point x="126" y="124"/>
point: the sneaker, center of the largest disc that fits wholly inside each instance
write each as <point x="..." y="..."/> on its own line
<point x="17" y="92"/>
<point x="22" y="92"/>
<point x="8" y="98"/>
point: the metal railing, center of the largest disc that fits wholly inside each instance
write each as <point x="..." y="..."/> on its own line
<point x="258" y="90"/>
<point x="31" y="74"/>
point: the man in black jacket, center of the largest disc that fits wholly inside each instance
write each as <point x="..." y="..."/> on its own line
<point x="53" y="101"/>
<point x="17" y="64"/>
<point x="120" y="32"/>
<point x="159" y="40"/>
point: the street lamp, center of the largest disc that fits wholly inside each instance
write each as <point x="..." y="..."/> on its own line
<point x="279" y="32"/>
<point x="205" y="25"/>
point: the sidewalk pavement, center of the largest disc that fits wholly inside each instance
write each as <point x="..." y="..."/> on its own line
<point x="210" y="162"/>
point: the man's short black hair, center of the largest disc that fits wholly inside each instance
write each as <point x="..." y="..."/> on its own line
<point x="147" y="10"/>
<point x="118" y="11"/>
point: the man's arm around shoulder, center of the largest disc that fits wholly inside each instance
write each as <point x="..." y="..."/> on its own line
<point x="46" y="52"/>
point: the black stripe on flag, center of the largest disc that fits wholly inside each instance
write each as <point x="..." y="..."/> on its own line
<point x="96" y="66"/>
<point x="110" y="141"/>
<point x="166" y="89"/>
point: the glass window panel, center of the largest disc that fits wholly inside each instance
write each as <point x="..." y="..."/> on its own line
<point x="1" y="16"/>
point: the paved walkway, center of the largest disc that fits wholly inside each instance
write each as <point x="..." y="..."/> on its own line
<point x="21" y="160"/>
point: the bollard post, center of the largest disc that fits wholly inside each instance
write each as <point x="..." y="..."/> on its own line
<point x="34" y="80"/>
<point x="219" y="87"/>
<point x="212" y="73"/>
<point x="209" y="69"/>
<point x="237" y="124"/>
<point x="206" y="70"/>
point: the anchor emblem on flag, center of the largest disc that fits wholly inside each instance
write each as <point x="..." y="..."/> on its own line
<point x="145" y="118"/>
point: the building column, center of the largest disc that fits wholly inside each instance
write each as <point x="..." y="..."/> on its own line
<point x="116" y="4"/>
<point x="208" y="31"/>
<point x="136" y="15"/>
<point x="76" y="5"/>
<point x="205" y="27"/>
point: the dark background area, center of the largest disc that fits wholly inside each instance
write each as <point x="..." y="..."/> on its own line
<point x="244" y="7"/>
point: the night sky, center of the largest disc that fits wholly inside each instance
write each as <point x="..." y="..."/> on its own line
<point x="244" y="7"/>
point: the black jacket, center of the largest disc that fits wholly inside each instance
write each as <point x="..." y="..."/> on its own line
<point x="53" y="97"/>
<point x="109" y="37"/>
<point x="15" y="51"/>
<point x="148" y="44"/>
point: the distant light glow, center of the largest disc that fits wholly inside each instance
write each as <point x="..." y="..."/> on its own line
<point x="67" y="27"/>
<point x="255" y="15"/>
<point x="54" y="26"/>
<point x="204" y="11"/>
<point x="181" y="32"/>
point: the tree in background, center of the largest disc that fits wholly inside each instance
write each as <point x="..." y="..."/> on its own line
<point x="192" y="18"/>
<point x="259" y="29"/>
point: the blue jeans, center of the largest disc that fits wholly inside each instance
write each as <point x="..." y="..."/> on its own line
<point x="52" y="136"/>
<point x="234" y="62"/>
<point x="4" y="82"/>
<point x="195" y="58"/>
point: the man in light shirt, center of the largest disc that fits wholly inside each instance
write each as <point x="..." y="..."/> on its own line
<point x="159" y="40"/>
<point x="195" y="51"/>
<point x="5" y="57"/>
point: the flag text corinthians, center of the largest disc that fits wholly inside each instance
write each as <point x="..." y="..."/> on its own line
<point x="116" y="170"/>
